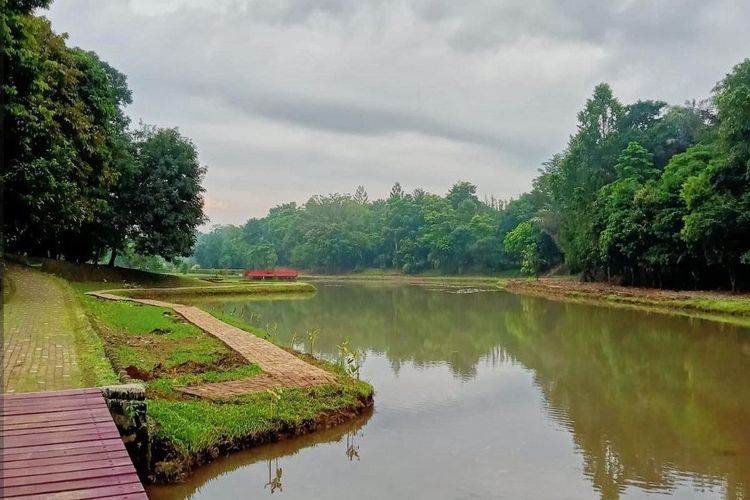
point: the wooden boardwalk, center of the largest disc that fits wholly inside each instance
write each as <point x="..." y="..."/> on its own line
<point x="63" y="445"/>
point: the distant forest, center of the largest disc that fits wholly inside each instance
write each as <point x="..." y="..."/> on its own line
<point x="646" y="194"/>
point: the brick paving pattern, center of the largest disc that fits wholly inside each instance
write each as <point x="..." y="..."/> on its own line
<point x="281" y="368"/>
<point x="39" y="337"/>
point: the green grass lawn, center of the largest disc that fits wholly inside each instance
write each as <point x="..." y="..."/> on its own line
<point x="154" y="342"/>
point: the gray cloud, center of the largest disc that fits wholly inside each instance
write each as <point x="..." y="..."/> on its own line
<point x="287" y="98"/>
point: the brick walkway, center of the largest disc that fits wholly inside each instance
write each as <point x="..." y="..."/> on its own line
<point x="39" y="339"/>
<point x="281" y="368"/>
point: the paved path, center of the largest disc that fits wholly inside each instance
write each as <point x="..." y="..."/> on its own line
<point x="63" y="445"/>
<point x="281" y="368"/>
<point x="39" y="339"/>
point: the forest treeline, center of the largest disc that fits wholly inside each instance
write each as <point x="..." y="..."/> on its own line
<point x="645" y="194"/>
<point x="78" y="181"/>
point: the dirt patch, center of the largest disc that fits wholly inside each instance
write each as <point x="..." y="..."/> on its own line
<point x="228" y="362"/>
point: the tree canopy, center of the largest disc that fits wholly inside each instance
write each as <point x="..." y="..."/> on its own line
<point x="78" y="180"/>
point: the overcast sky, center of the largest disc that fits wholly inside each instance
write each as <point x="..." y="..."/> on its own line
<point x="290" y="98"/>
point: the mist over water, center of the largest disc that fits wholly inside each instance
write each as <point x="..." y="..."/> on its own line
<point x="493" y="395"/>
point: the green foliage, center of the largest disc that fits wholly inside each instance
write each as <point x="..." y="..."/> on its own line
<point x="523" y="242"/>
<point x="410" y="232"/>
<point x="77" y="181"/>
<point x="649" y="194"/>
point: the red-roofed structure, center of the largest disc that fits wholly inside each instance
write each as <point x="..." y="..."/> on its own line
<point x="271" y="274"/>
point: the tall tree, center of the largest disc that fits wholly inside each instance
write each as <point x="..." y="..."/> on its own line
<point x="166" y="198"/>
<point x="718" y="199"/>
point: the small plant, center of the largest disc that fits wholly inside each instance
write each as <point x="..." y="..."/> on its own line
<point x="276" y="395"/>
<point x="271" y="330"/>
<point x="312" y="336"/>
<point x="293" y="342"/>
<point x="350" y="359"/>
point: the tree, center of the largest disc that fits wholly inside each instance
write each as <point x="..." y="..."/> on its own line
<point x="578" y="175"/>
<point x="718" y="198"/>
<point x="166" y="198"/>
<point x="360" y="195"/>
<point x="64" y="138"/>
<point x="76" y="180"/>
<point x="523" y="242"/>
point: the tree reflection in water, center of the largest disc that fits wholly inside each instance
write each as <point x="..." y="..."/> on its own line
<point x="652" y="401"/>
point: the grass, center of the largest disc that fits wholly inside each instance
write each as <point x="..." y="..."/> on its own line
<point x="148" y="341"/>
<point x="738" y="307"/>
<point x="110" y="275"/>
<point x="196" y="426"/>
<point x="156" y="344"/>
<point x="709" y="305"/>
<point x="201" y="290"/>
<point x="419" y="279"/>
<point x="165" y="388"/>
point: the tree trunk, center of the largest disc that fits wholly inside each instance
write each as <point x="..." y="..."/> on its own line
<point x="733" y="278"/>
<point x="112" y="258"/>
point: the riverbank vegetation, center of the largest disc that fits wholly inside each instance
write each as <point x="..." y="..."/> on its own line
<point x="646" y="194"/>
<point x="717" y="305"/>
<point x="160" y="349"/>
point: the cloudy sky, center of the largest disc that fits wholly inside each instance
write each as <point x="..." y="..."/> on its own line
<point x="289" y="98"/>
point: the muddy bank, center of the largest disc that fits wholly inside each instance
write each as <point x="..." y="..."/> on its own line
<point x="715" y="304"/>
<point x="170" y="464"/>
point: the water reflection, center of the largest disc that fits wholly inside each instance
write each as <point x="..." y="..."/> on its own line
<point x="352" y="450"/>
<point x="274" y="482"/>
<point x="653" y="403"/>
<point x="270" y="455"/>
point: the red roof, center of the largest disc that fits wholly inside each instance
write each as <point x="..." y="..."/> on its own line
<point x="272" y="273"/>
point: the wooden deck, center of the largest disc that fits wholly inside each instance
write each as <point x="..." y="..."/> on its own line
<point x="63" y="444"/>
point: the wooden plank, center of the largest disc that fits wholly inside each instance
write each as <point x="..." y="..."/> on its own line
<point x="129" y="491"/>
<point x="49" y="397"/>
<point x="50" y="470"/>
<point x="37" y="410"/>
<point x="48" y="394"/>
<point x="44" y="407"/>
<point x="51" y="425"/>
<point x="58" y="438"/>
<point x="74" y="475"/>
<point x="84" y="455"/>
<point x="60" y="450"/>
<point x="54" y="416"/>
<point x="52" y="400"/>
<point x="70" y="486"/>
<point x="64" y="445"/>
<point x="88" y="425"/>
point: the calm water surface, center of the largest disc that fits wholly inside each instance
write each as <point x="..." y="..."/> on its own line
<point x="492" y="395"/>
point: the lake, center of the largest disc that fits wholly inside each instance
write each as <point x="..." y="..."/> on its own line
<point x="484" y="394"/>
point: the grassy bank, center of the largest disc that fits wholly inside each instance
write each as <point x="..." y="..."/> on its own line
<point x="202" y="290"/>
<point x="448" y="281"/>
<point x="717" y="305"/>
<point x="156" y="346"/>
